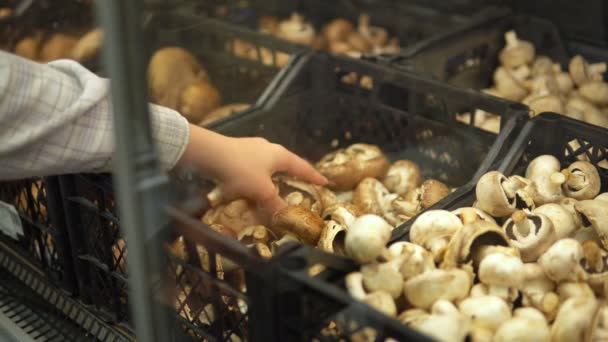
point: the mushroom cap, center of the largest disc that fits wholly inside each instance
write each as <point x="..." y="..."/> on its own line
<point x="383" y="302"/>
<point x="197" y="100"/>
<point x="425" y="289"/>
<point x="567" y="290"/>
<point x="488" y="312"/>
<point x="468" y="241"/>
<point x="359" y="42"/>
<point x="561" y="262"/>
<point x="573" y="319"/>
<point x="302" y="223"/>
<point x="501" y="270"/>
<point x="236" y="215"/>
<point x="57" y="46"/>
<point x="443" y="327"/>
<point x="382" y="277"/>
<point x="87" y="46"/>
<point x="414" y="259"/>
<point x="481" y="215"/>
<point x="583" y="181"/>
<point x="523" y="329"/>
<point x="344" y="214"/>
<point x="370" y="197"/>
<point x="345" y="168"/>
<point x="581" y="109"/>
<point x="596" y="213"/>
<point x="602" y="197"/>
<point x="367" y="237"/>
<point x="338" y="30"/>
<point x="542" y="65"/>
<point x="434" y="229"/>
<point x="531" y="233"/>
<point x="595" y="92"/>
<point x="517" y="52"/>
<point x="297" y="30"/>
<point x="255" y="234"/>
<point x="546" y="103"/>
<point x="582" y="72"/>
<point x="564" y="222"/>
<point x="403" y="176"/>
<point x="542" y="165"/>
<point x="332" y="238"/>
<point x="599" y="325"/>
<point x="507" y="86"/>
<point x="564" y="82"/>
<point x="491" y="197"/>
<point x="432" y="191"/>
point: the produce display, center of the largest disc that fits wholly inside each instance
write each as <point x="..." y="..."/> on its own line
<point x="527" y="262"/>
<point x="339" y="36"/>
<point x="49" y="46"/>
<point x="540" y="83"/>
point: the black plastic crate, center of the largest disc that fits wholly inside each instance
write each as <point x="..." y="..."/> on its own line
<point x="407" y="21"/>
<point x="468" y="56"/>
<point x="323" y="295"/>
<point x="45" y="239"/>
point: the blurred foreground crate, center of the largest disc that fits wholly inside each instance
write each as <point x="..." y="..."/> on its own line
<point x="43" y="238"/>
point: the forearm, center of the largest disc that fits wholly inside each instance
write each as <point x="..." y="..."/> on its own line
<point x="58" y="119"/>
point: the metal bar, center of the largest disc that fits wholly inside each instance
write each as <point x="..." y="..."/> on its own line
<point x="140" y="184"/>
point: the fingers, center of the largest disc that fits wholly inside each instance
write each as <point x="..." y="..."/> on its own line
<point x="299" y="168"/>
<point x="261" y="190"/>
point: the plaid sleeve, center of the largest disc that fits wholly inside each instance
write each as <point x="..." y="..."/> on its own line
<point x="57" y="118"/>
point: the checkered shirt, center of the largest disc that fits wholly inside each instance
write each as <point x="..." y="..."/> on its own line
<point x="56" y="118"/>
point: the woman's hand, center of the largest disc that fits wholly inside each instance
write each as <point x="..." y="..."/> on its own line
<point x="244" y="166"/>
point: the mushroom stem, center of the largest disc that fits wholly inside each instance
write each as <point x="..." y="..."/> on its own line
<point x="593" y="256"/>
<point x="468" y="215"/>
<point x="510" y="186"/>
<point x="597" y="69"/>
<point x="524" y="226"/>
<point x="511" y="39"/>
<point x="354" y="285"/>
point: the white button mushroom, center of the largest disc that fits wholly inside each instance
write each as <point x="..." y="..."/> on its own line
<point x="574" y="319"/>
<point x="445" y="323"/>
<point x="433" y="231"/>
<point x="599" y="326"/>
<point x="297" y="30"/>
<point x="531" y="233"/>
<point x="412" y="259"/>
<point x="569" y="290"/>
<point x="595" y="213"/>
<point x="595" y="92"/>
<point x="527" y="324"/>
<point x="516" y="52"/>
<point x="602" y="197"/>
<point x="502" y="273"/>
<point x="367" y="238"/>
<point x="508" y="85"/>
<point x="583" y="181"/>
<point x="561" y="262"/>
<point x="487" y="312"/>
<point x="425" y="289"/>
<point x="498" y="196"/>
<point x="583" y="72"/>
<point x="383" y="277"/>
<point x="538" y="291"/>
<point x="564" y="222"/>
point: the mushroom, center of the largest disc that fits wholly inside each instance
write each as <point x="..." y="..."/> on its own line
<point x="538" y="291"/>
<point x="561" y="262"/>
<point x="508" y="86"/>
<point x="445" y="323"/>
<point x="237" y="215"/>
<point x="542" y="66"/>
<point x="297" y="30"/>
<point x="471" y="241"/>
<point x="583" y="181"/>
<point x="366" y="238"/>
<point x="563" y="79"/>
<point x="602" y="197"/>
<point x="57" y="46"/>
<point x="431" y="192"/>
<point x="383" y="277"/>
<point x="595" y="263"/>
<point x="542" y="165"/>
<point x="256" y="234"/>
<point x="345" y="168"/>
<point x="302" y="223"/>
<point x="87" y="46"/>
<point x="381" y="301"/>
<point x="480" y="214"/>
<point x="574" y="319"/>
<point x="595" y="92"/>
<point x="487" y="313"/>
<point x="599" y="326"/>
<point x="344" y="214"/>
<point x="425" y="289"/>
<point x="412" y="259"/>
<point x="433" y="231"/>
<point x="582" y="72"/>
<point x="371" y="197"/>
<point x="581" y="109"/>
<point x="531" y="233"/>
<point x="527" y="324"/>
<point x="516" y="52"/>
<point x="595" y="213"/>
<point x="338" y="30"/>
<point x="332" y="238"/>
<point x="359" y="43"/>
<point x="499" y="196"/>
<point x="564" y="222"/>
<point x="403" y="176"/>
<point x="568" y="290"/>
<point x="376" y="35"/>
<point x="502" y="273"/>
<point x="312" y="197"/>
<point x="276" y="245"/>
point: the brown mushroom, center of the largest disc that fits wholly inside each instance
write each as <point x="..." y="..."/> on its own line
<point x="403" y="176"/>
<point x="345" y="168"/>
<point x="304" y="224"/>
<point x="297" y="30"/>
<point x="431" y="192"/>
<point x="338" y="30"/>
<point x="57" y="46"/>
<point x="88" y="46"/>
<point x="237" y="215"/>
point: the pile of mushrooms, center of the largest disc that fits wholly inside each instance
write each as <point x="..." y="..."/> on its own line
<point x="49" y="46"/>
<point x="527" y="262"/>
<point x="542" y="85"/>
<point x="177" y="80"/>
